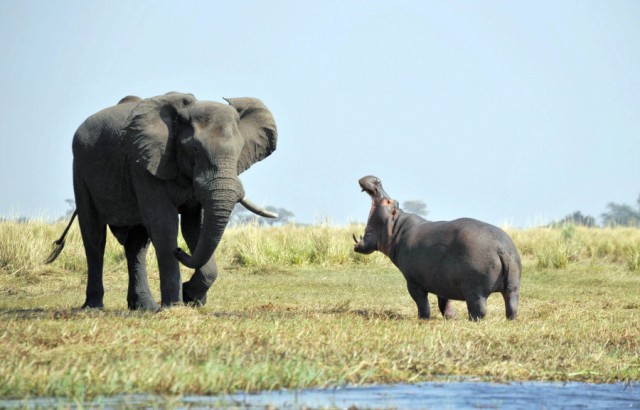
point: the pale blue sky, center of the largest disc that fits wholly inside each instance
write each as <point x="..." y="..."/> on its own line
<point x="508" y="111"/>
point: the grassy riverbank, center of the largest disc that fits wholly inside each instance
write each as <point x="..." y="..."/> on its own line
<point x="295" y="307"/>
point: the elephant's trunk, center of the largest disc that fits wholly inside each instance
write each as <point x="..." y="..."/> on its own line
<point x="217" y="203"/>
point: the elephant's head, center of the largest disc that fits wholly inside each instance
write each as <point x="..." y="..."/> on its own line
<point x="205" y="145"/>
<point x="384" y="212"/>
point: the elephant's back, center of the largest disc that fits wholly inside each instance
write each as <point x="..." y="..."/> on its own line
<point x="100" y="132"/>
<point x="100" y="167"/>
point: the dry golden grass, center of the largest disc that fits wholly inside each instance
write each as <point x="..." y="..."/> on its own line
<point x="295" y="307"/>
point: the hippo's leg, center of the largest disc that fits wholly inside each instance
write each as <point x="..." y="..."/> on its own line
<point x="445" y="308"/>
<point x="420" y="297"/>
<point x="477" y="306"/>
<point x="511" y="303"/>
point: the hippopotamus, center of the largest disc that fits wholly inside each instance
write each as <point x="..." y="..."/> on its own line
<point x="464" y="259"/>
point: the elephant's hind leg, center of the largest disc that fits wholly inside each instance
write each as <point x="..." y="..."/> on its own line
<point x="136" y="246"/>
<point x="94" y="237"/>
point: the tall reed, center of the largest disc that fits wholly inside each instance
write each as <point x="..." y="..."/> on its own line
<point x="558" y="247"/>
<point x="24" y="247"/>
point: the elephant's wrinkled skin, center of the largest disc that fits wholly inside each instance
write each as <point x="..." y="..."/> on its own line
<point x="464" y="259"/>
<point x="145" y="166"/>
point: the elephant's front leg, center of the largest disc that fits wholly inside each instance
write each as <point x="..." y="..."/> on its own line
<point x="165" y="241"/>
<point x="195" y="290"/>
<point x="139" y="295"/>
<point x="161" y="221"/>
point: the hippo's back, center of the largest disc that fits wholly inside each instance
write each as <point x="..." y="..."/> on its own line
<point x="463" y="233"/>
<point x="441" y="255"/>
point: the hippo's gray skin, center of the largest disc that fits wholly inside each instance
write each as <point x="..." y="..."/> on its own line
<point x="463" y="259"/>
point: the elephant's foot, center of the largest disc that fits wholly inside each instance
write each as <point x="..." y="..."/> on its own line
<point x="192" y="297"/>
<point x="143" y="302"/>
<point x="92" y="305"/>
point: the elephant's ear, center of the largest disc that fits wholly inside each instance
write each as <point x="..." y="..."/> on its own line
<point x="151" y="132"/>
<point x="258" y="128"/>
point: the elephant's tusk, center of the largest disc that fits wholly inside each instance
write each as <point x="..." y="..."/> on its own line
<point x="256" y="209"/>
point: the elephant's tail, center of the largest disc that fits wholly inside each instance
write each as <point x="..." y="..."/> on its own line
<point x="58" y="245"/>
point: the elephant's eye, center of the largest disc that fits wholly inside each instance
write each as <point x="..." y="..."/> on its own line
<point x="191" y="145"/>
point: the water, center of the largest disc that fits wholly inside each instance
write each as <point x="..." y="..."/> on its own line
<point x="456" y="395"/>
<point x="445" y="395"/>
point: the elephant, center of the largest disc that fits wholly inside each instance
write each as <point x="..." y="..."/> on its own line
<point x="464" y="259"/>
<point x="147" y="167"/>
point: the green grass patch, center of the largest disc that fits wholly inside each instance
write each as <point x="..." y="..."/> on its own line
<point x="294" y="307"/>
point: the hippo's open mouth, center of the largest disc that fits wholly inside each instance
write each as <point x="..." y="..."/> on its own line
<point x="373" y="186"/>
<point x="382" y="209"/>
